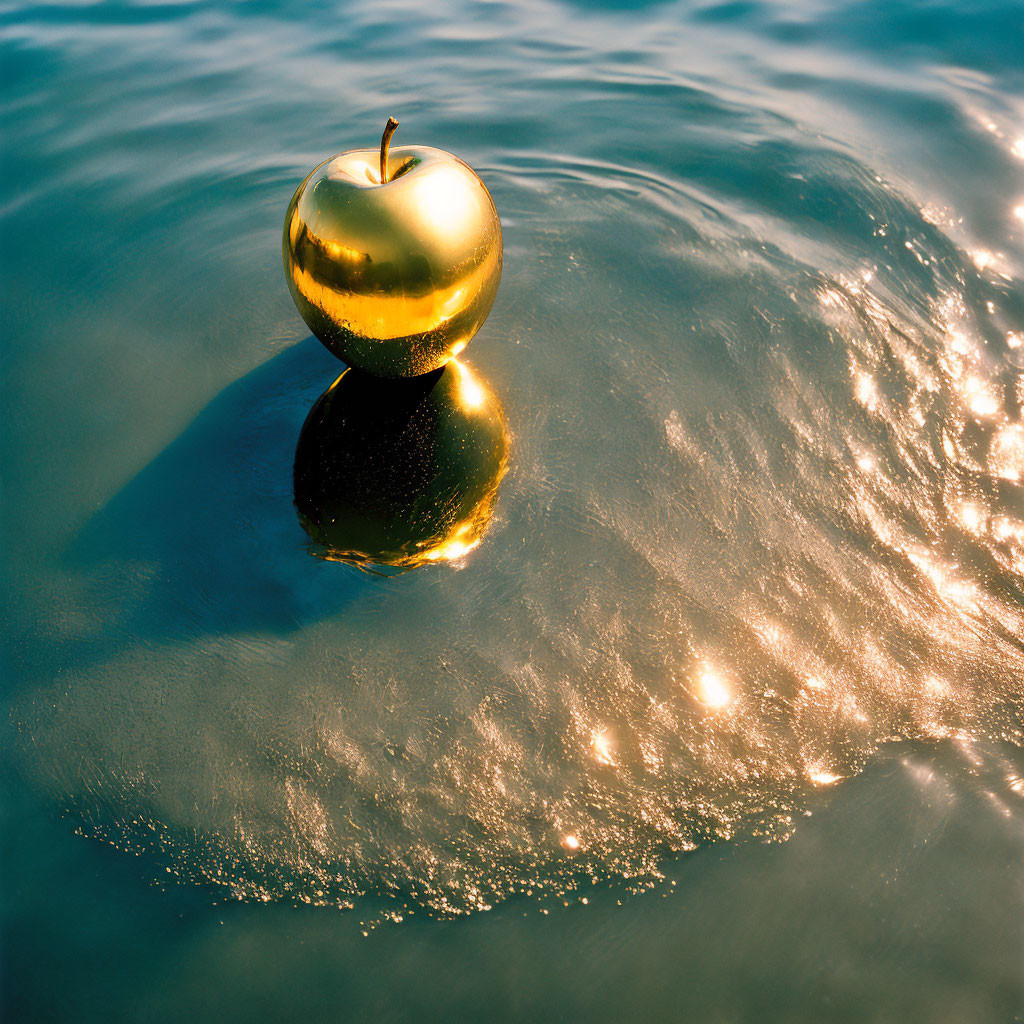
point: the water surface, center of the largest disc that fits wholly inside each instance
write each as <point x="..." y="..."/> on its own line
<point x="755" y="573"/>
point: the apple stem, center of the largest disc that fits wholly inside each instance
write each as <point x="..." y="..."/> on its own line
<point x="385" y="144"/>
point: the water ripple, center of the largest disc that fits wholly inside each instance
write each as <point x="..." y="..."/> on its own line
<point x="765" y="509"/>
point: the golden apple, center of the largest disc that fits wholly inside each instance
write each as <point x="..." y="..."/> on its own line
<point x="400" y="473"/>
<point x="393" y="256"/>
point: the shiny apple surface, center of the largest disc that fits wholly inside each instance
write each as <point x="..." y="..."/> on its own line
<point x="400" y="473"/>
<point x="394" y="278"/>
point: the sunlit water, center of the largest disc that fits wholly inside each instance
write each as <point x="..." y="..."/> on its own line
<point x="760" y="347"/>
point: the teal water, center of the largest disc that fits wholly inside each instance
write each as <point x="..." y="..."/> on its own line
<point x="723" y="718"/>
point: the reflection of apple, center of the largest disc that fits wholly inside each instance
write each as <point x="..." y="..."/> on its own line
<point x="393" y="256"/>
<point x="400" y="473"/>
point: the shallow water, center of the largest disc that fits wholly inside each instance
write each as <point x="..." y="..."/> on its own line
<point x="759" y="552"/>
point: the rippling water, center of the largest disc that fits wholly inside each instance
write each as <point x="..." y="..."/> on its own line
<point x="760" y="347"/>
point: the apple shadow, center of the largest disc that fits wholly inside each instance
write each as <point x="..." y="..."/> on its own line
<point x="206" y="539"/>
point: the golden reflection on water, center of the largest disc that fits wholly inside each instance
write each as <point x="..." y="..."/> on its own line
<point x="601" y="744"/>
<point x="821" y="777"/>
<point x="960" y="397"/>
<point x="711" y="689"/>
<point x="1006" y="454"/>
<point x="672" y="662"/>
<point x="401" y="473"/>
